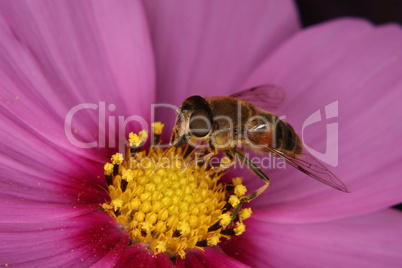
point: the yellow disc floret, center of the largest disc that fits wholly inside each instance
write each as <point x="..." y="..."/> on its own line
<point x="117" y="159"/>
<point x="240" y="190"/>
<point x="108" y="169"/>
<point x="240" y="228"/>
<point x="160" y="246"/>
<point x="157" y="128"/>
<point x="224" y="219"/>
<point x="183" y="228"/>
<point x="134" y="139"/>
<point x="234" y="200"/>
<point x="245" y="214"/>
<point x="237" y="181"/>
<point x="137" y="140"/>
<point x="213" y="240"/>
<point x="117" y="204"/>
<point x="170" y="202"/>
<point x="127" y="175"/>
<point x="143" y="135"/>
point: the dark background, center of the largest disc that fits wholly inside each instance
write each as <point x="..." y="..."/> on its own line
<point x="376" y="11"/>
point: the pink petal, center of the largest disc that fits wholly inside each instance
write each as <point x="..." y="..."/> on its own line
<point x="56" y="55"/>
<point x="138" y="255"/>
<point x="211" y="257"/>
<point x="76" y="241"/>
<point x="113" y="256"/>
<point x="210" y="47"/>
<point x="39" y="171"/>
<point x="366" y="241"/>
<point x="19" y="210"/>
<point x="358" y="65"/>
<point x="75" y="181"/>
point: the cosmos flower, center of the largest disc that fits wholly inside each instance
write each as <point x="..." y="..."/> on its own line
<point x="124" y="56"/>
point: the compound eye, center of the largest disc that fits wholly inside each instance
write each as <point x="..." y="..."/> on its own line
<point x="179" y="111"/>
<point x="200" y="123"/>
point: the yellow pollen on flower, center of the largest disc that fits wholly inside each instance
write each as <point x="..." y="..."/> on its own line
<point x="137" y="140"/>
<point x="224" y="219"/>
<point x="237" y="181"/>
<point x="245" y="214"/>
<point x="157" y="128"/>
<point x="117" y="203"/>
<point x="213" y="241"/>
<point x="184" y="228"/>
<point x="146" y="226"/>
<point x="107" y="206"/>
<point x="134" y="139"/>
<point x="117" y="159"/>
<point x="143" y="135"/>
<point x="240" y="228"/>
<point x="127" y="175"/>
<point x="234" y="200"/>
<point x="108" y="168"/>
<point x="167" y="201"/>
<point x="240" y="190"/>
<point x="160" y="246"/>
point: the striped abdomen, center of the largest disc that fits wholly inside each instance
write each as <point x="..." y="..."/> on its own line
<point x="268" y="130"/>
<point x="286" y="139"/>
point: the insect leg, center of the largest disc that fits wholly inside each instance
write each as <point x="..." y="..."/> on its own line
<point x="257" y="171"/>
<point x="172" y="138"/>
<point x="253" y="167"/>
<point x="189" y="149"/>
<point x="201" y="160"/>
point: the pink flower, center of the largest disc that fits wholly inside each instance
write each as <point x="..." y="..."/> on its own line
<point x="60" y="54"/>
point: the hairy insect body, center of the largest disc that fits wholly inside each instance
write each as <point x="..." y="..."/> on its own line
<point x="229" y="122"/>
<point x="238" y="122"/>
<point x="229" y="116"/>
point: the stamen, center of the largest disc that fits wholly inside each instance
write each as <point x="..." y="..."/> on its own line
<point x="137" y="140"/>
<point x="213" y="240"/>
<point x="117" y="159"/>
<point x="240" y="190"/>
<point x="202" y="243"/>
<point x="240" y="228"/>
<point x="245" y="214"/>
<point x="237" y="181"/>
<point x="169" y="202"/>
<point x="157" y="131"/>
<point x="215" y="227"/>
<point x="234" y="201"/>
<point x="224" y="219"/>
<point x="108" y="173"/>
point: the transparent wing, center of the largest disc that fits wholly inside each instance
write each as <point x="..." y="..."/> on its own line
<point x="304" y="162"/>
<point x="266" y="97"/>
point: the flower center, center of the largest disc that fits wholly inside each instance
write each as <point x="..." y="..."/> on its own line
<point x="169" y="200"/>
